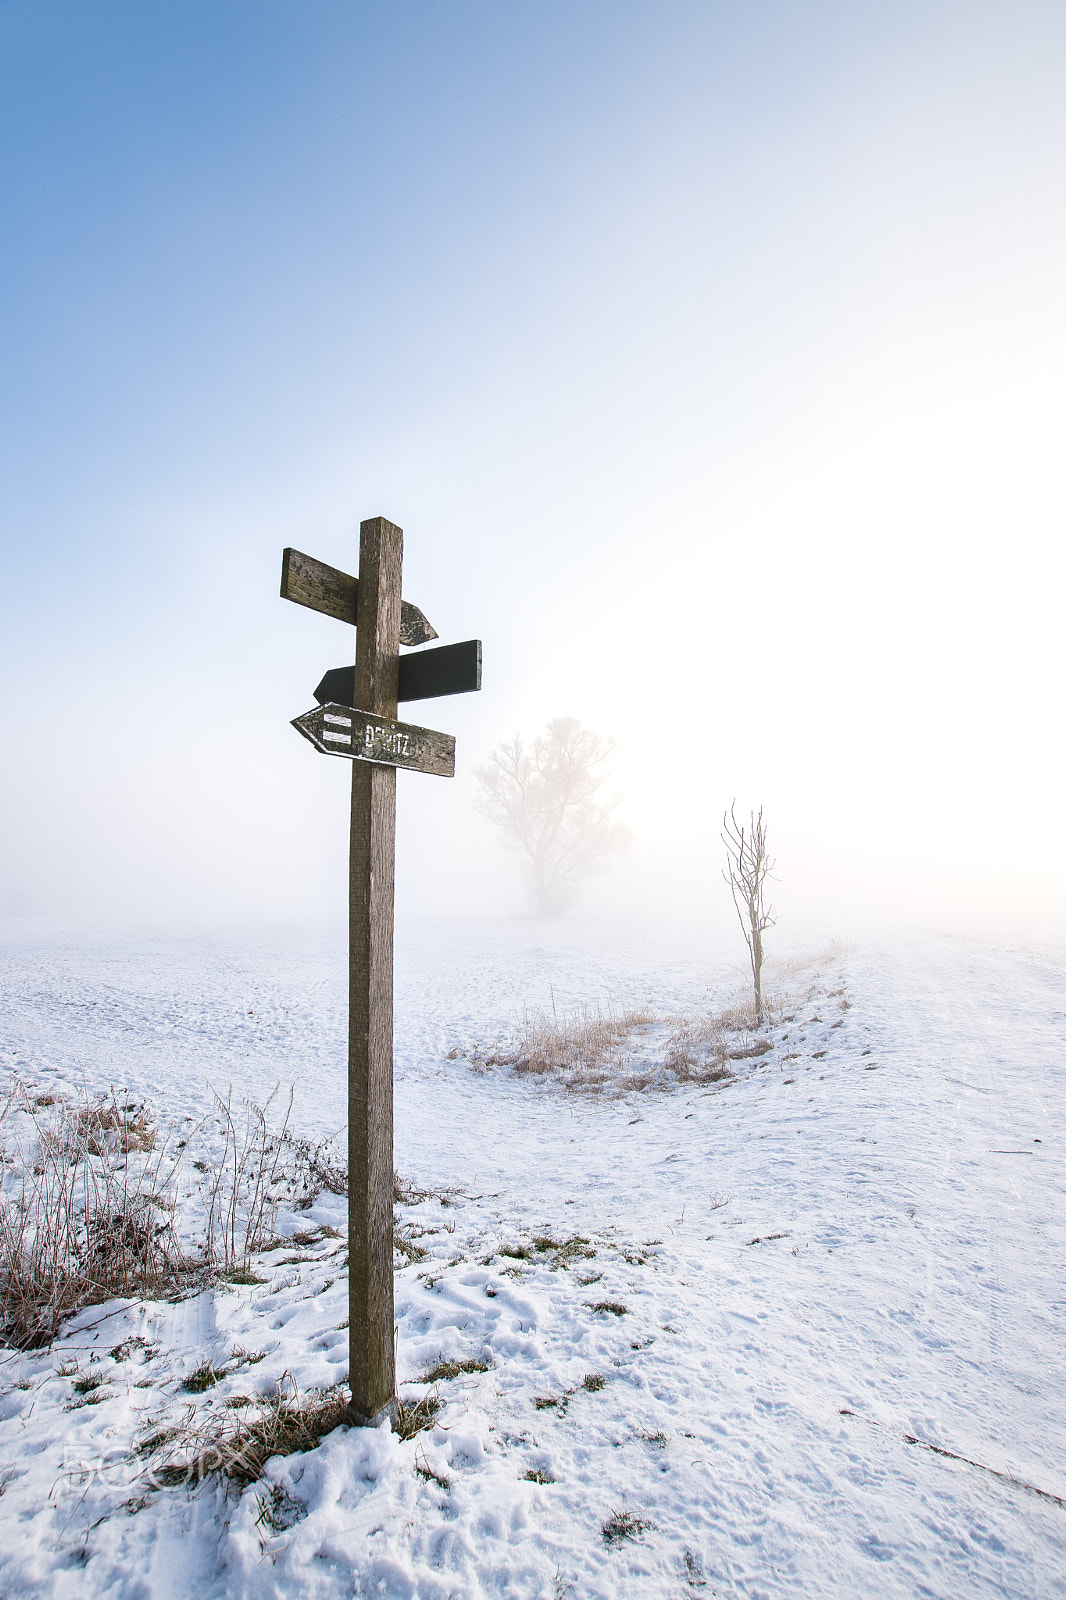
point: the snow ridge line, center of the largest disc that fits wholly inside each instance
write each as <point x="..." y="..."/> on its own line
<point x="937" y="1449"/>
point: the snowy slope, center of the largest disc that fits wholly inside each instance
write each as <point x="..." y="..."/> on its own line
<point x="855" y="1245"/>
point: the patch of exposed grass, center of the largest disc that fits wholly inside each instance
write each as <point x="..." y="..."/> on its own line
<point x="452" y="1369"/>
<point x="241" y="1357"/>
<point x="593" y="1381"/>
<point x="237" y="1445"/>
<point x="622" y="1525"/>
<point x="415" y="1418"/>
<point x="129" y="1347"/>
<point x="278" y="1510"/>
<point x="612" y="1308"/>
<point x="584" y="1049"/>
<point x="748" y="1052"/>
<point x="205" y="1377"/>
<point x="553" y="1402"/>
<point x="536" y="1475"/>
<point x="86" y="1382"/>
<point x="405" y="1246"/>
<point x="155" y="1439"/>
<point x="563" y="1251"/>
<point x="106" y="1126"/>
<point x="694" y="1571"/>
<point x="86" y="1215"/>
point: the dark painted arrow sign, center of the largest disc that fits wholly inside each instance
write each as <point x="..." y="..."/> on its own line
<point x="338" y="730"/>
<point x="452" y="669"/>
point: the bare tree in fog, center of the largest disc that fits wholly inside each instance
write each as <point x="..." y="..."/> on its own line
<point x="747" y="868"/>
<point x="552" y="802"/>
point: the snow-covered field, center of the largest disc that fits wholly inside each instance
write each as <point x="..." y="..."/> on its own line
<point x="833" y="1366"/>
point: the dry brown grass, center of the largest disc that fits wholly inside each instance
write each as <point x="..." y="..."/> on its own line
<point x="593" y="1049"/>
<point x="81" y="1221"/>
<point x="445" y="1370"/>
<point x="701" y="1048"/>
<point x="416" y="1417"/>
<point x="584" y="1048"/>
<point x="89" y="1203"/>
<point x="107" y="1127"/>
<point x="238" y="1444"/>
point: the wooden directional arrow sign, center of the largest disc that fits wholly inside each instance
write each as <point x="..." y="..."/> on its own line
<point x="312" y="583"/>
<point x="338" y="730"/>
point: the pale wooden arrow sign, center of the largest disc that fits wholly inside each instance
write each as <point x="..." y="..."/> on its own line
<point x="312" y="583"/>
<point x="338" y="730"/>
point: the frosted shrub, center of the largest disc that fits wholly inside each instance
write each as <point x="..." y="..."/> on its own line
<point x="86" y="1213"/>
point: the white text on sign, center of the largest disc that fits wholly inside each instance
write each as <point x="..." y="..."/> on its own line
<point x="339" y="730"/>
<point x="389" y="741"/>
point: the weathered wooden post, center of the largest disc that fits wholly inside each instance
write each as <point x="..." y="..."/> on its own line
<point x="372" y="1369"/>
<point x="356" y="719"/>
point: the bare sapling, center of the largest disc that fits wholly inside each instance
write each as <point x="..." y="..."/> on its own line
<point x="747" y="868"/>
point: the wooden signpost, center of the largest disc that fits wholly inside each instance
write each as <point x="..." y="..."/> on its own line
<point x="358" y="721"/>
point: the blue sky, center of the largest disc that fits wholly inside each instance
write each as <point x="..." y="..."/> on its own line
<point x="709" y="354"/>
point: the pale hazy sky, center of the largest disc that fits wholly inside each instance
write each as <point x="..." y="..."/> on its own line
<point x="710" y="355"/>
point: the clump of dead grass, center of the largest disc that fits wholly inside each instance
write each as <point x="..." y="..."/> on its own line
<point x="594" y="1049"/>
<point x="584" y="1047"/>
<point x="701" y="1049"/>
<point x="106" y="1126"/>
<point x="622" y="1525"/>
<point x="86" y="1213"/>
<point x="238" y="1444"/>
<point x="446" y="1370"/>
<point x="416" y="1416"/>
<point x="89" y="1202"/>
<point x="404" y="1244"/>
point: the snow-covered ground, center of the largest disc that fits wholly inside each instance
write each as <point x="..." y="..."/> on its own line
<point x="834" y="1363"/>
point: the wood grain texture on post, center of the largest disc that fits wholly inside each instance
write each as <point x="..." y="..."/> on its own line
<point x="372" y="1367"/>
